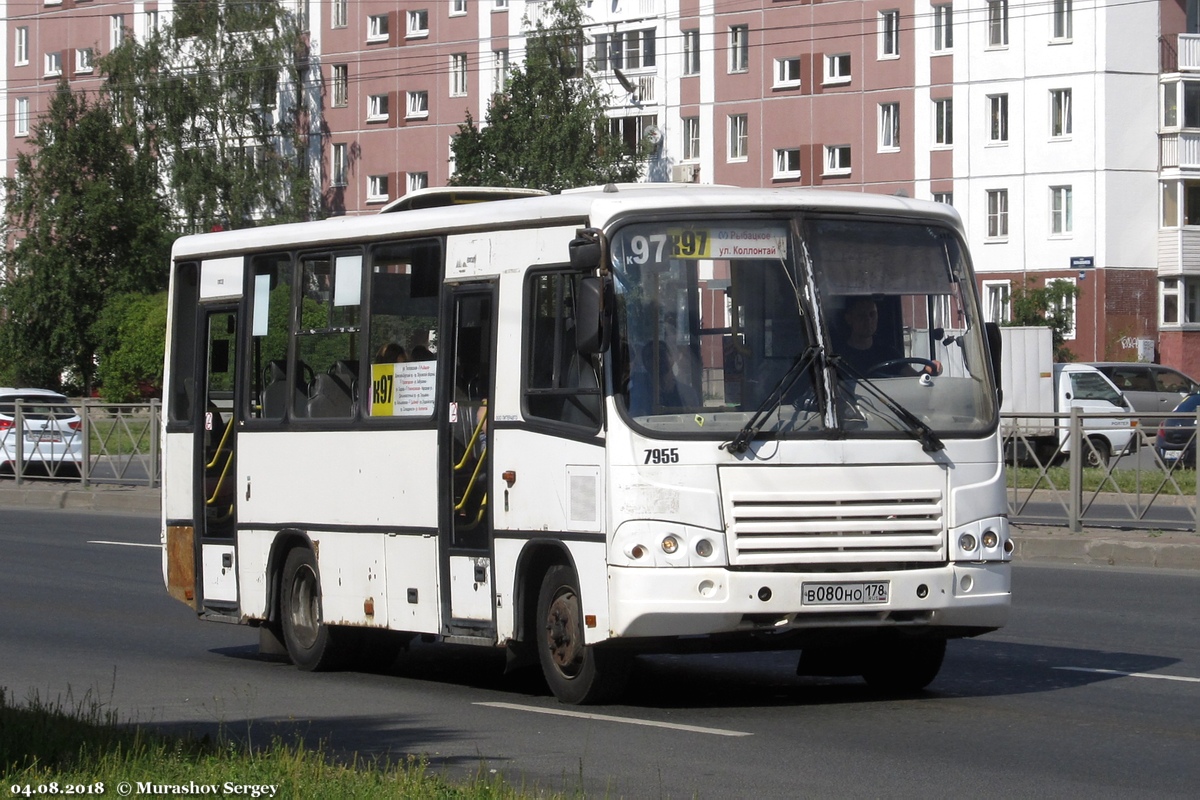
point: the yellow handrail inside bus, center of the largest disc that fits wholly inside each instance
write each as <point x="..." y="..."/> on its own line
<point x="225" y="468"/>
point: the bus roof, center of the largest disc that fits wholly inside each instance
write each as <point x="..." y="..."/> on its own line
<point x="594" y="206"/>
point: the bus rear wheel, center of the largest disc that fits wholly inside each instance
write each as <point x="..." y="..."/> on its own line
<point x="577" y="673"/>
<point x="311" y="644"/>
<point x="904" y="666"/>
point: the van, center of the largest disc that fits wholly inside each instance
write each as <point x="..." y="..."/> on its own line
<point x="1150" y="388"/>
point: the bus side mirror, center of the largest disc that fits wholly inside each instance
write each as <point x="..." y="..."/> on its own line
<point x="586" y="250"/>
<point x="995" y="351"/>
<point x="593" y="315"/>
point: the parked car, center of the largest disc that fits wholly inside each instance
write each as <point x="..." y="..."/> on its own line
<point x="51" y="439"/>
<point x="1176" y="440"/>
<point x="1150" y="388"/>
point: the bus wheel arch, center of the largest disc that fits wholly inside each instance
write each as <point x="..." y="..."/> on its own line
<point x="311" y="644"/>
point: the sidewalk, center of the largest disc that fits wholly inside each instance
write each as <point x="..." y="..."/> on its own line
<point x="1099" y="546"/>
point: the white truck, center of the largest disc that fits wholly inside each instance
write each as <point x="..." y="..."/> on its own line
<point x="1032" y="384"/>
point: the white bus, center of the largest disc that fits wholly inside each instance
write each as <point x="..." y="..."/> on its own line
<point x="622" y="420"/>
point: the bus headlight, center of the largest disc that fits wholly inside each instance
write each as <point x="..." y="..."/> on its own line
<point x="704" y="548"/>
<point x="990" y="539"/>
<point x="967" y="543"/>
<point x="670" y="544"/>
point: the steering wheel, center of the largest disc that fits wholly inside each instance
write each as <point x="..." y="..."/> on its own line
<point x="927" y="365"/>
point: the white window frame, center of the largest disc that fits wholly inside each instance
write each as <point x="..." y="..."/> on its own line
<point x="739" y="137"/>
<point x="997" y="301"/>
<point x="151" y="21"/>
<point x="116" y="31"/>
<point x="739" y="48"/>
<point x="997" y="23"/>
<point x="691" y="139"/>
<point x="499" y="5"/>
<point x="377" y="188"/>
<point x="500" y="74"/>
<point x="943" y="122"/>
<point x="1072" y="304"/>
<point x="787" y="163"/>
<point x="837" y="159"/>
<point x="377" y="107"/>
<point x="418" y="24"/>
<point x="787" y="72"/>
<point x="21" y="116"/>
<point x="997" y="214"/>
<point x="691" y="51"/>
<point x="339" y="85"/>
<point x="338" y="163"/>
<point x="417" y="105"/>
<point x="21" y="47"/>
<point x="378" y="28"/>
<point x="85" y="60"/>
<point x="417" y="181"/>
<point x="338" y="15"/>
<point x="946" y="198"/>
<point x="889" y="34"/>
<point x="458" y="8"/>
<point x="1062" y="22"/>
<point x="1060" y="114"/>
<point x="943" y="28"/>
<point x="458" y="75"/>
<point x="833" y="68"/>
<point x="1062" y="214"/>
<point x="998" y="118"/>
<point x="889" y="127"/>
<point x="53" y="64"/>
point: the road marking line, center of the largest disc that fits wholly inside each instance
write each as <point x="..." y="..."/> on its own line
<point x="126" y="544"/>
<point x="1133" y="674"/>
<point x="607" y="718"/>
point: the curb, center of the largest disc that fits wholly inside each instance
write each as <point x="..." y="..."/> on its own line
<point x="123" y="499"/>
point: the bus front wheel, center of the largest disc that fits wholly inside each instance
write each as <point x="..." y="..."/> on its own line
<point x="311" y="644"/>
<point x="577" y="673"/>
<point x="904" y="666"/>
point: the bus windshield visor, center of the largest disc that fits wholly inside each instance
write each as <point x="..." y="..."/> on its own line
<point x="724" y="324"/>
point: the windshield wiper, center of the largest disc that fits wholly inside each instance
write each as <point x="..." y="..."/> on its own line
<point x="773" y="400"/>
<point x="924" y="434"/>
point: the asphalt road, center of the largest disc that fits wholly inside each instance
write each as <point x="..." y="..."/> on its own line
<point x="1092" y="690"/>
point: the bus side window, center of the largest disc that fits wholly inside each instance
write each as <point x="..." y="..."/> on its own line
<point x="561" y="384"/>
<point x="271" y="304"/>
<point x="327" y="332"/>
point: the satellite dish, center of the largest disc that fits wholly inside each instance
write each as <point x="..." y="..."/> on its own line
<point x="654" y="134"/>
<point x="626" y="84"/>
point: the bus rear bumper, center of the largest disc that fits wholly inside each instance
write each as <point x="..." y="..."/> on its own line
<point x="961" y="599"/>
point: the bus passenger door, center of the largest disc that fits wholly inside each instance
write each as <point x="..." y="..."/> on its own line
<point x="215" y="468"/>
<point x="467" y="357"/>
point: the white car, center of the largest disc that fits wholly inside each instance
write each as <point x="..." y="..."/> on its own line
<point x="48" y="437"/>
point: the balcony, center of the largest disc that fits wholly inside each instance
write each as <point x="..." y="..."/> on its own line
<point x="1179" y="251"/>
<point x="1179" y="150"/>
<point x="1179" y="53"/>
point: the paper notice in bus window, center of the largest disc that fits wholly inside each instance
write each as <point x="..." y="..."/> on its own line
<point x="403" y="390"/>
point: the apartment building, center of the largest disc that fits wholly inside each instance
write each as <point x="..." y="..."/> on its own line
<point x="1066" y="132"/>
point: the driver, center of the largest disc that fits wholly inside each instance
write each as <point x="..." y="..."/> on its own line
<point x="861" y="347"/>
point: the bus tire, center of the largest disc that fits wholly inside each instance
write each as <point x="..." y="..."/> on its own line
<point x="311" y="644"/>
<point x="904" y="666"/>
<point x="577" y="673"/>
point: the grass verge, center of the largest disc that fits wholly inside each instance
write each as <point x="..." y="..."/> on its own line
<point x="1178" y="482"/>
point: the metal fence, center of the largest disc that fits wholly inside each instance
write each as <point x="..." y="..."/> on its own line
<point x="115" y="443"/>
<point x="1070" y="483"/>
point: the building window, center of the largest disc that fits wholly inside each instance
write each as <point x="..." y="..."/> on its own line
<point x="377" y="188"/>
<point x="84" y="59"/>
<point x="500" y="76"/>
<point x="787" y="73"/>
<point x="1180" y="301"/>
<point x="458" y="8"/>
<point x="116" y="31"/>
<point x="53" y="64"/>
<point x="338" y="17"/>
<point x="1060" y="210"/>
<point x="340" y="90"/>
<point x="787" y="163"/>
<point x="946" y="198"/>
<point x="889" y="126"/>
<point x="418" y="24"/>
<point x="418" y="105"/>
<point x="998" y="112"/>
<point x="499" y="5"/>
<point x="1060" y="113"/>
<point x="943" y="121"/>
<point x="377" y="108"/>
<point x="997" y="219"/>
<point x="151" y="21"/>
<point x="1065" y="308"/>
<point x="997" y="302"/>
<point x="997" y="23"/>
<point x="21" y="117"/>
<point x="458" y="75"/>
<point x="625" y="50"/>
<point x="943" y="28"/>
<point x="739" y="48"/>
<point x="837" y="68"/>
<point x="377" y="28"/>
<point x="21" y="47"/>
<point x="837" y="159"/>
<point x="418" y="181"/>
<point x="338" y="163"/>
<point x="691" y="138"/>
<point x="739" y="137"/>
<point x="1180" y="104"/>
<point x="691" y="52"/>
<point x="889" y="34"/>
<point x="1062" y="19"/>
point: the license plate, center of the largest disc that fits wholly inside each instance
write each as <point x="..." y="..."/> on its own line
<point x="844" y="594"/>
<point x="1171" y="455"/>
<point x="47" y="437"/>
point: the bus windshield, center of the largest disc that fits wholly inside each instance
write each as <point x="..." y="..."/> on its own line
<point x="807" y="326"/>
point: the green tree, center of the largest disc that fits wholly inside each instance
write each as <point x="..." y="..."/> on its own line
<point x="131" y="341"/>
<point x="547" y="129"/>
<point x="85" y="221"/>
<point x="220" y="95"/>
<point x="1052" y="305"/>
